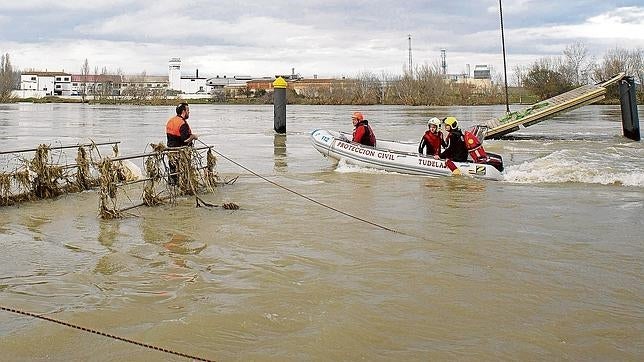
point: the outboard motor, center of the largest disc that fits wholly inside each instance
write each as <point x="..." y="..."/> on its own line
<point x="474" y="143"/>
<point x="495" y="160"/>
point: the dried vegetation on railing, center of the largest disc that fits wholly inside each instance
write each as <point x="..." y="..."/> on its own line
<point x="169" y="173"/>
<point x="47" y="174"/>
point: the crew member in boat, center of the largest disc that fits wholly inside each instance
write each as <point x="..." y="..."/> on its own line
<point x="178" y="134"/>
<point x="362" y="132"/>
<point x="432" y="139"/>
<point x="455" y="149"/>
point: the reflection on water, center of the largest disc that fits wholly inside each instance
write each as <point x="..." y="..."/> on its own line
<point x="539" y="267"/>
<point x="110" y="264"/>
<point x="279" y="152"/>
<point x="108" y="232"/>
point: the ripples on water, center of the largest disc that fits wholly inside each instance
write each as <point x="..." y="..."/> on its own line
<point x="544" y="265"/>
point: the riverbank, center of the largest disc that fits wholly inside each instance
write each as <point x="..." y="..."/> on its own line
<point x="520" y="98"/>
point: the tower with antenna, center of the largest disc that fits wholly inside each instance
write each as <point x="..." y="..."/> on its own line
<point x="444" y="61"/>
<point x="411" y="69"/>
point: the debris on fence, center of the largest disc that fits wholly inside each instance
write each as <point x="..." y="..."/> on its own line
<point x="47" y="174"/>
<point x="169" y="173"/>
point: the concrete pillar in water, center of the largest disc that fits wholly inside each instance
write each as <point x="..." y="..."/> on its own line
<point x="279" y="105"/>
<point x="628" y="102"/>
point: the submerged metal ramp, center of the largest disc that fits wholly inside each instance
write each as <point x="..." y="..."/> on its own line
<point x="548" y="108"/>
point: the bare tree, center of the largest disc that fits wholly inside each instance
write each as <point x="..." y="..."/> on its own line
<point x="84" y="76"/>
<point x="429" y="87"/>
<point x="95" y="82"/>
<point x="614" y="62"/>
<point x="546" y="79"/>
<point x="620" y="60"/>
<point x="6" y="78"/>
<point x="519" y="74"/>
<point x="106" y="84"/>
<point x="576" y="63"/>
<point x="367" y="89"/>
<point x="137" y="90"/>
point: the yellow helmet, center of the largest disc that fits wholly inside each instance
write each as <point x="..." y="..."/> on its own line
<point x="451" y="121"/>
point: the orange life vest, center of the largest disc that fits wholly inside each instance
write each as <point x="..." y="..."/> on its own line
<point x="173" y="127"/>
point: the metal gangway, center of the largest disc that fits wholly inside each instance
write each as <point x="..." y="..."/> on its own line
<point x="548" y="108"/>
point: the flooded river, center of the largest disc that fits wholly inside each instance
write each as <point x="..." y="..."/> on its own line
<point x="545" y="265"/>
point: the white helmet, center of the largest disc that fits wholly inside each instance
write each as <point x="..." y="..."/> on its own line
<point x="435" y="121"/>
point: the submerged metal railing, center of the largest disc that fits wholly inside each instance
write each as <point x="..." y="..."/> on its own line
<point x="49" y="172"/>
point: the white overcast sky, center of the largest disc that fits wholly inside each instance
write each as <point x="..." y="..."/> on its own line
<point x="329" y="38"/>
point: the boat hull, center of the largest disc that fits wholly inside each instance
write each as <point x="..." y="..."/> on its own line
<point x="394" y="157"/>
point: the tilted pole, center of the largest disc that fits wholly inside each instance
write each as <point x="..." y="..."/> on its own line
<point x="505" y="68"/>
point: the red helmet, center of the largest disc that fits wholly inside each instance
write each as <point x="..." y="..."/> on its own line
<point x="358" y="116"/>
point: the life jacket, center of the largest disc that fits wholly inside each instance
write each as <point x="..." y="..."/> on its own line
<point x="173" y="131"/>
<point x="368" y="138"/>
<point x="173" y="127"/>
<point x="434" y="141"/>
<point x="474" y="147"/>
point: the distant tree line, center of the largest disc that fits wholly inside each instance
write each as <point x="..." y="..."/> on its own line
<point x="106" y="86"/>
<point x="549" y="76"/>
<point x="543" y="79"/>
<point x="425" y="85"/>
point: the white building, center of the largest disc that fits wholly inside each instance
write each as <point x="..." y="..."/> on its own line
<point x="144" y="84"/>
<point x="482" y="71"/>
<point x="47" y="83"/>
<point x="186" y="84"/>
<point x="96" y="84"/>
<point x="174" y="74"/>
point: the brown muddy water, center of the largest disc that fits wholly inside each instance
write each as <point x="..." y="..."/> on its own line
<point x="545" y="265"/>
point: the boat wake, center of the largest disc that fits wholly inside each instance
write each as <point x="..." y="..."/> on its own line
<point x="344" y="167"/>
<point x="574" y="166"/>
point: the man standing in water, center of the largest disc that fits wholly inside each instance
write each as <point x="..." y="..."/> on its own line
<point x="179" y="134"/>
<point x="177" y="129"/>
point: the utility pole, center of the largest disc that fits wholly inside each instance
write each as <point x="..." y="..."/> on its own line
<point x="444" y="62"/>
<point x="411" y="69"/>
<point x="505" y="68"/>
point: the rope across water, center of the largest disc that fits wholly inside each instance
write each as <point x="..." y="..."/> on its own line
<point x="311" y="199"/>
<point x="85" y="329"/>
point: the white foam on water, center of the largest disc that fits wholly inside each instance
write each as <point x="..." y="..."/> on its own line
<point x="344" y="167"/>
<point x="574" y="166"/>
<point x="306" y="182"/>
